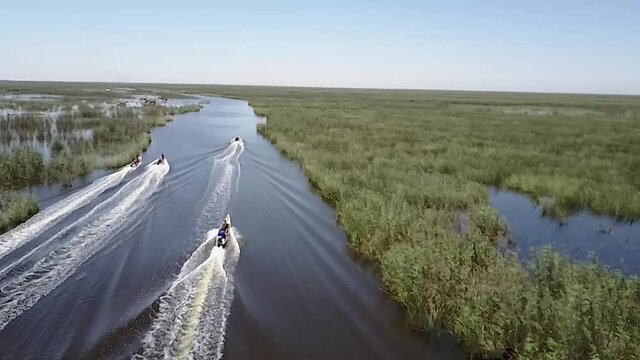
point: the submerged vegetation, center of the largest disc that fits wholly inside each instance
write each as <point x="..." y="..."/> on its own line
<point x="185" y="109"/>
<point x="404" y="168"/>
<point x="50" y="140"/>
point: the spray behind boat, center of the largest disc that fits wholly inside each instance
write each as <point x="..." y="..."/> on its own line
<point x="238" y="140"/>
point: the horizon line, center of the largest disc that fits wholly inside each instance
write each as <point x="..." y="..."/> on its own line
<point x="323" y="87"/>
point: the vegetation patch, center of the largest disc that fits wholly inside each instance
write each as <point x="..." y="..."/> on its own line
<point x="14" y="209"/>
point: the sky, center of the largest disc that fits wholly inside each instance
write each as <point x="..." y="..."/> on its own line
<point x="508" y="45"/>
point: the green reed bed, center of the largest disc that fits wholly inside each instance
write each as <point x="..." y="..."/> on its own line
<point x="15" y="208"/>
<point x="407" y="172"/>
<point x="186" y="109"/>
<point x="114" y="135"/>
<point x="113" y="142"/>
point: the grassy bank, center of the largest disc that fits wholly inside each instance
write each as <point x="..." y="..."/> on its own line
<point x="407" y="174"/>
<point x="14" y="209"/>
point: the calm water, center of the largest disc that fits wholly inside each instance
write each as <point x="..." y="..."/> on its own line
<point x="128" y="271"/>
<point x="580" y="236"/>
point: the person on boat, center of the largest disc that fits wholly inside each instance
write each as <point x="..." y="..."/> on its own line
<point x="136" y="161"/>
<point x="222" y="234"/>
<point x="161" y="160"/>
<point x="237" y="138"/>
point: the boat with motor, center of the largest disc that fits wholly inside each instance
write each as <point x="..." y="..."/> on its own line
<point x="224" y="231"/>
<point x="136" y="161"/>
<point x="160" y="160"/>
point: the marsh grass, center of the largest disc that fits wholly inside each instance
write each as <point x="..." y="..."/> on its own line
<point x="183" y="109"/>
<point x="400" y="167"/>
<point x="14" y="208"/>
<point x="115" y="139"/>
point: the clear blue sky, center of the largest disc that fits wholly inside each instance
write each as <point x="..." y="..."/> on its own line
<point x="519" y="45"/>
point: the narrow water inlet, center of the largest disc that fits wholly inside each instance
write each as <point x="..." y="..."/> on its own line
<point x="580" y="237"/>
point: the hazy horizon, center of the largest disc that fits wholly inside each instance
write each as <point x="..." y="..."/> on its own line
<point x="542" y="46"/>
<point x="313" y="87"/>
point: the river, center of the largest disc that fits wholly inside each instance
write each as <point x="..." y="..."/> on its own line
<point x="128" y="271"/>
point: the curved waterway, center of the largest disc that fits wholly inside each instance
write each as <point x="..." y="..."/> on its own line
<point x="128" y="268"/>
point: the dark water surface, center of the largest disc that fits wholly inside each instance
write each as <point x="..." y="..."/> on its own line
<point x="130" y="272"/>
<point x="614" y="243"/>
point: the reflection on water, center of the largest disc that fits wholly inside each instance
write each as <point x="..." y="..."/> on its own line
<point x="47" y="141"/>
<point x="48" y="128"/>
<point x="613" y="243"/>
<point x="6" y="113"/>
<point x="186" y="101"/>
<point x="28" y="97"/>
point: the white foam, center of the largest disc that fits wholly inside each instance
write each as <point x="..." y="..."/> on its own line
<point x="77" y="243"/>
<point x="225" y="170"/>
<point x="50" y="216"/>
<point x="193" y="313"/>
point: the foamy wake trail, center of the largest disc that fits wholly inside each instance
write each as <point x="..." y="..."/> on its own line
<point x="192" y="318"/>
<point x="48" y="217"/>
<point x="77" y="243"/>
<point x="193" y="313"/>
<point x="223" y="183"/>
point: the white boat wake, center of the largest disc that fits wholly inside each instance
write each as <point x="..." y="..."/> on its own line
<point x="191" y="321"/>
<point x="77" y="243"/>
<point x="223" y="183"/>
<point x="193" y="313"/>
<point x="50" y="216"/>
